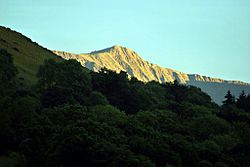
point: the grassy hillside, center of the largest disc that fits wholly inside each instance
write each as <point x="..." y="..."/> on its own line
<point x="27" y="55"/>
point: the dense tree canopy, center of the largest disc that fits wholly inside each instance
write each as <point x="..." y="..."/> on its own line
<point x="64" y="82"/>
<point x="74" y="117"/>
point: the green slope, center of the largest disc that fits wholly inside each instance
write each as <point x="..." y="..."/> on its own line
<point x="27" y="55"/>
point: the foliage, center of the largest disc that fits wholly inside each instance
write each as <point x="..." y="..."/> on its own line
<point x="230" y="99"/>
<point x="73" y="117"/>
<point x="63" y="82"/>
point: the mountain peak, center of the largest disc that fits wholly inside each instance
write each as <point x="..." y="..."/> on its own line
<point x="119" y="58"/>
<point x="118" y="49"/>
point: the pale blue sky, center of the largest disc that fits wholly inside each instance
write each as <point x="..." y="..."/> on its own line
<point x="209" y="37"/>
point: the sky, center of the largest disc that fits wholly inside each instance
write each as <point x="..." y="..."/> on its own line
<point x="208" y="37"/>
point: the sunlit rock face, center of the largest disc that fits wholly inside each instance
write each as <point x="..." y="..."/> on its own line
<point x="118" y="58"/>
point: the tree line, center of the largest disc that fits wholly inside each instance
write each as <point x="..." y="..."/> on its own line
<point x="74" y="117"/>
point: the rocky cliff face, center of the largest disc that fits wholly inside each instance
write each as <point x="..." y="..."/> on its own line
<point x="119" y="58"/>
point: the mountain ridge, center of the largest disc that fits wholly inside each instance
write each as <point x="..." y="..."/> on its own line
<point x="119" y="58"/>
<point x="118" y="49"/>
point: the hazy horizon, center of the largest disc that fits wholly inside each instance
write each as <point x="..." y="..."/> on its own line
<point x="197" y="37"/>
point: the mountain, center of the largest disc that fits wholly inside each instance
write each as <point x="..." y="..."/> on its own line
<point x="27" y="55"/>
<point x="118" y="58"/>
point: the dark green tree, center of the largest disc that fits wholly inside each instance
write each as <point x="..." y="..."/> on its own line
<point x="242" y="101"/>
<point x="229" y="99"/>
<point x="65" y="82"/>
<point x="97" y="98"/>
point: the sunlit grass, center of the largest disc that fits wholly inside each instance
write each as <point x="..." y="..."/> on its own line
<point x="27" y="55"/>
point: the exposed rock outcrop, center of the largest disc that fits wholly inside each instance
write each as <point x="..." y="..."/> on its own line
<point x="120" y="58"/>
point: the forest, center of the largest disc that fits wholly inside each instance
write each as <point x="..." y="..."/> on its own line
<point x="74" y="117"/>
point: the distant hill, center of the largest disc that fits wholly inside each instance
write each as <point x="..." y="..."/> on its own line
<point x="27" y="55"/>
<point x="120" y="58"/>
